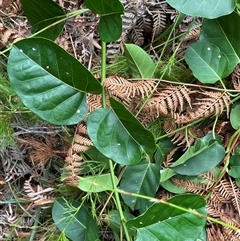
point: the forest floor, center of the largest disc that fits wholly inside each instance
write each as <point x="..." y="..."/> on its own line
<point x="33" y="152"/>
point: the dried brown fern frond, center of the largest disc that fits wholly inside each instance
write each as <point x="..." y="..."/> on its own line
<point x="201" y="187"/>
<point x="167" y="101"/>
<point x="94" y="102"/>
<point x="37" y="194"/>
<point x="236" y="77"/>
<point x="210" y="104"/>
<point x="124" y="89"/>
<point x="214" y="233"/>
<point x="74" y="160"/>
<point x="159" y="18"/>
<point x="41" y="151"/>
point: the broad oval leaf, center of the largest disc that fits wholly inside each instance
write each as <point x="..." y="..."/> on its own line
<point x="204" y="8"/>
<point x="162" y="222"/>
<point x="207" y="62"/>
<point x="141" y="179"/>
<point x="143" y="136"/>
<point x="170" y="187"/>
<point x="74" y="220"/>
<point x="222" y="33"/>
<point x="139" y="61"/>
<point x="118" y="135"/>
<point x="47" y="79"/>
<point x="203" y="157"/>
<point x="110" y="26"/>
<point x="111" y="139"/>
<point x="235" y="166"/>
<point x="164" y="146"/>
<point x="96" y="183"/>
<point x="235" y="116"/>
<point x="114" y="220"/>
<point x="43" y="13"/>
<point x="105" y="7"/>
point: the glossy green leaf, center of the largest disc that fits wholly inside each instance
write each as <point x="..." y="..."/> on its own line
<point x="165" y="223"/>
<point x="139" y="61"/>
<point x="142" y="179"/>
<point x="235" y="116"/>
<point x="118" y="135"/>
<point x="74" y="220"/>
<point x="207" y="62"/>
<point x="142" y="135"/>
<point x="235" y="166"/>
<point x="202" y="157"/>
<point x="105" y="7"/>
<point x="114" y="220"/>
<point x="220" y="32"/>
<point x="41" y="14"/>
<point x="110" y="27"/>
<point x="164" y="147"/>
<point x="169" y="186"/>
<point x="49" y="81"/>
<point x="110" y="11"/>
<point x="96" y="183"/>
<point x="166" y="174"/>
<point x="203" y="8"/>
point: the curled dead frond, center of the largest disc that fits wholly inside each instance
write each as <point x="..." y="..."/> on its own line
<point x="74" y="160"/>
<point x="206" y="181"/>
<point x="124" y="89"/>
<point x="210" y="104"/>
<point x="236" y="77"/>
<point x="94" y="102"/>
<point x="37" y="194"/>
<point x="167" y="101"/>
<point x="42" y="150"/>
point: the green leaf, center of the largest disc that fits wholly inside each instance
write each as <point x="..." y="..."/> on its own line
<point x="164" y="147"/>
<point x="235" y="116"/>
<point x="143" y="136"/>
<point x="110" y="11"/>
<point x="202" y="157"/>
<point x="235" y="166"/>
<point x="139" y="61"/>
<point x="74" y="220"/>
<point x="203" y="8"/>
<point x="43" y="13"/>
<point x="165" y="223"/>
<point x="96" y="183"/>
<point x="141" y="179"/>
<point x="46" y="78"/>
<point x="110" y="27"/>
<point x="166" y="174"/>
<point x="221" y="33"/>
<point x="207" y="62"/>
<point x="118" y="135"/>
<point x="169" y="186"/>
<point x="105" y="7"/>
<point x="114" y="220"/>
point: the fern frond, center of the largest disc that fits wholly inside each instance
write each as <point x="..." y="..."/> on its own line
<point x="236" y="77"/>
<point x="159" y="21"/>
<point x="214" y="104"/>
<point x="124" y="89"/>
<point x="167" y="101"/>
<point x="94" y="102"/>
<point x="37" y="194"/>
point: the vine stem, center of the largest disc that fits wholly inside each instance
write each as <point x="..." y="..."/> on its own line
<point x="114" y="184"/>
